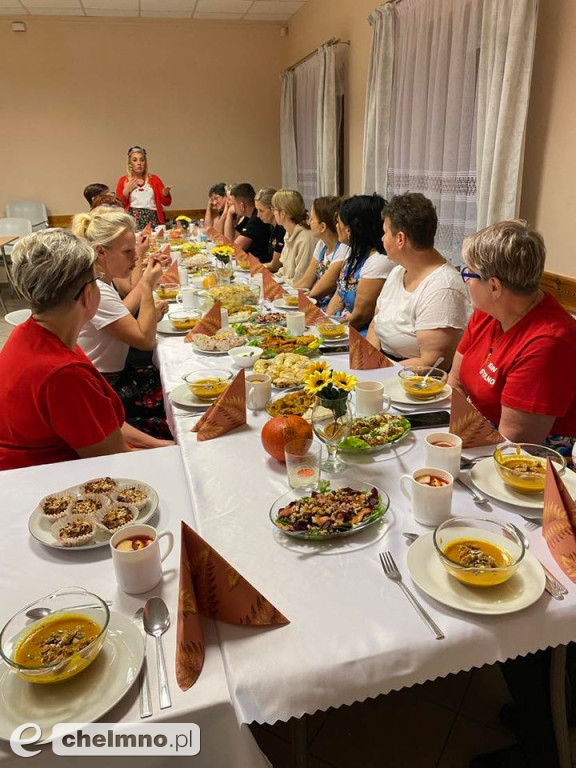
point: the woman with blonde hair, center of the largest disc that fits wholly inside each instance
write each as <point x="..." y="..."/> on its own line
<point x="54" y="405"/>
<point x="142" y="193"/>
<point x="263" y="202"/>
<point x="299" y="243"/>
<point x="107" y="337"/>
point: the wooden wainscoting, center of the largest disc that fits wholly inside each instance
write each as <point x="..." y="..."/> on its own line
<point x="562" y="287"/>
<point x="65" y="219"/>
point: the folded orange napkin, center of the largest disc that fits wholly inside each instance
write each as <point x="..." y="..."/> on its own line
<point x="227" y="412"/>
<point x="469" y="424"/>
<point x="147" y="229"/>
<point x="272" y="290"/>
<point x="363" y="356"/>
<point x="171" y="276"/>
<point x="312" y="312"/>
<point x="209" y="323"/>
<point x="559" y="522"/>
<point x="255" y="265"/>
<point x="160" y="233"/>
<point x="210" y="587"/>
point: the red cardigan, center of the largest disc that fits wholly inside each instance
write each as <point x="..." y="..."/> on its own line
<point x="158" y="187"/>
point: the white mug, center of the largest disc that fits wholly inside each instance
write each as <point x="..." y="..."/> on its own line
<point x="431" y="505"/>
<point x="296" y="323"/>
<point x="258" y="391"/>
<point x="139" y="570"/>
<point x="370" y="398"/>
<point x="444" y="450"/>
<point x="187" y="298"/>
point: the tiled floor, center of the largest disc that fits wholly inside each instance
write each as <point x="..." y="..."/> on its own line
<point x="441" y="724"/>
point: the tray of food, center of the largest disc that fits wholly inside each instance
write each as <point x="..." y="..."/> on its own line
<point x="372" y="433"/>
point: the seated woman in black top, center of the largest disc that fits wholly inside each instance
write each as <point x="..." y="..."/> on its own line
<point x="264" y="207"/>
<point x="243" y="226"/>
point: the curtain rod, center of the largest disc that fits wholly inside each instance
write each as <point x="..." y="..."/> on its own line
<point x="332" y="41"/>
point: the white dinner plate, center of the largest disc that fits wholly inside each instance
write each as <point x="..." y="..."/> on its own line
<point x="398" y="394"/>
<point x="486" y="478"/>
<point x="208" y="351"/>
<point x="39" y="525"/>
<point x="281" y="304"/>
<point x="182" y="396"/>
<point x="523" y="589"/>
<point x="165" y="326"/>
<point x="82" y="699"/>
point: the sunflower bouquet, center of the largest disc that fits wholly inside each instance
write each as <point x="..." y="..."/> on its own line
<point x="223" y="253"/>
<point x="331" y="387"/>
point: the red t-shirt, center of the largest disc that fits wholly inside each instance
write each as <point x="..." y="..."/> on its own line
<point x="52" y="400"/>
<point x="531" y="367"/>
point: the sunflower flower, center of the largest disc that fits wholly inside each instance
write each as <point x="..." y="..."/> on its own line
<point x="343" y="381"/>
<point x="317" y="380"/>
<point x="319" y="365"/>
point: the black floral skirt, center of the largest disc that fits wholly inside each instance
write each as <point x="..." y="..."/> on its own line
<point x="141" y="393"/>
<point x="144" y="216"/>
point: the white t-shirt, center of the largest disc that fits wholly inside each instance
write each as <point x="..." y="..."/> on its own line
<point x="143" y="197"/>
<point x="377" y="265"/>
<point x="440" y="301"/>
<point x="340" y="253"/>
<point x="106" y="351"/>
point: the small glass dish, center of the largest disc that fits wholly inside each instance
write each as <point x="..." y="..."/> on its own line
<point x="331" y="330"/>
<point x="411" y="379"/>
<point x="478" y="552"/>
<point x="167" y="292"/>
<point x="208" y="384"/>
<point x="184" y="319"/>
<point x="71" y="610"/>
<point x="522" y="466"/>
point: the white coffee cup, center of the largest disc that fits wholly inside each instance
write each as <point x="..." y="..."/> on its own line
<point x="431" y="505"/>
<point x="444" y="450"/>
<point x="296" y="323"/>
<point x="258" y="391"/>
<point x="370" y="398"/>
<point x="139" y="570"/>
<point x="187" y="298"/>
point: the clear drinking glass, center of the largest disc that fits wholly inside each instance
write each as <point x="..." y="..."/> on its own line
<point x="332" y="422"/>
<point x="303" y="464"/>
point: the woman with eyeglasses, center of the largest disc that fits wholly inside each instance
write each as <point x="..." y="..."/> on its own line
<point x="423" y="309"/>
<point x="299" y="243"/>
<point x="364" y="273"/>
<point x="143" y="194"/>
<point x="54" y="404"/>
<point x="517" y="359"/>
<point x="107" y="337"/>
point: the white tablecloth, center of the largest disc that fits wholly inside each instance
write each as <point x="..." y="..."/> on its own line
<point x="352" y="634"/>
<point x="29" y="570"/>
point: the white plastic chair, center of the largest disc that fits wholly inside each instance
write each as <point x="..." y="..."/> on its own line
<point x="18" y="316"/>
<point x="29" y="209"/>
<point x="17" y="228"/>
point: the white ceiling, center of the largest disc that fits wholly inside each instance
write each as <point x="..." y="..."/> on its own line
<point x="229" y="10"/>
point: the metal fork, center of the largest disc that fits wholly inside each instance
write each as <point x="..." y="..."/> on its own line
<point x="392" y="572"/>
<point x="531" y="526"/>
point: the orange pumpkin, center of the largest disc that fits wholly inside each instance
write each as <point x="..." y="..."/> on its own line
<point x="280" y="430"/>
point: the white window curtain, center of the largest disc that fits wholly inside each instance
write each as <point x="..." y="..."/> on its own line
<point x="433" y="124"/>
<point x="506" y="57"/>
<point x="378" y="100"/>
<point x="311" y="125"/>
<point x="288" y="132"/>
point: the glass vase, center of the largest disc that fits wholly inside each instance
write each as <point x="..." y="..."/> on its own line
<point x="332" y="422"/>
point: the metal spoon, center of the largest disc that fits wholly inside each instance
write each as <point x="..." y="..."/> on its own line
<point x="422" y="384"/>
<point x="476" y="497"/>
<point x="41" y="613"/>
<point x="156" y="622"/>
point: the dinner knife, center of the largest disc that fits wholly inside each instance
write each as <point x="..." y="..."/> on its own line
<point x="143" y="682"/>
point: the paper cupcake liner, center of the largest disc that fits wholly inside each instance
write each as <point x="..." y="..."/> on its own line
<point x="113" y="486"/>
<point x="137" y="486"/>
<point x="64" y="511"/>
<point x="101" y="500"/>
<point x="99" y="517"/>
<point x="73" y="541"/>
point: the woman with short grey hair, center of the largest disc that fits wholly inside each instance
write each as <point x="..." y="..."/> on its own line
<point x="517" y="359"/>
<point x="54" y="405"/>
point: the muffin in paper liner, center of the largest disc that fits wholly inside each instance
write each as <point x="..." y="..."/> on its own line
<point x="136" y="494"/>
<point x="70" y="530"/>
<point x="82" y="505"/>
<point x="116" y="516"/>
<point x="58" y="504"/>
<point x="101" y="485"/>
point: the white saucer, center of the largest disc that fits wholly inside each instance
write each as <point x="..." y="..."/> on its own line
<point x="281" y="304"/>
<point x="486" y="478"/>
<point x="183" y="397"/>
<point x="82" y="699"/>
<point x="208" y="351"/>
<point x="39" y="525"/>
<point x="165" y="326"/>
<point x="398" y="394"/>
<point x="523" y="589"/>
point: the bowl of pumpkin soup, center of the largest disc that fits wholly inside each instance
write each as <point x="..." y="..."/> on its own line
<point x="522" y="466"/>
<point x="61" y="644"/>
<point x="478" y="552"/>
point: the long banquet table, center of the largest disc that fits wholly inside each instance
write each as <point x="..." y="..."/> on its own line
<point x="29" y="570"/>
<point x="353" y="634"/>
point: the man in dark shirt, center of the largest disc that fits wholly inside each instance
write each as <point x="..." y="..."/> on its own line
<point x="243" y="226"/>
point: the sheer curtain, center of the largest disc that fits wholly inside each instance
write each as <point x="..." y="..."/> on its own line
<point x="306" y="78"/>
<point x="329" y="122"/>
<point x="288" y="132"/>
<point x="378" y="100"/>
<point x="433" y="125"/>
<point x="506" y="57"/>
